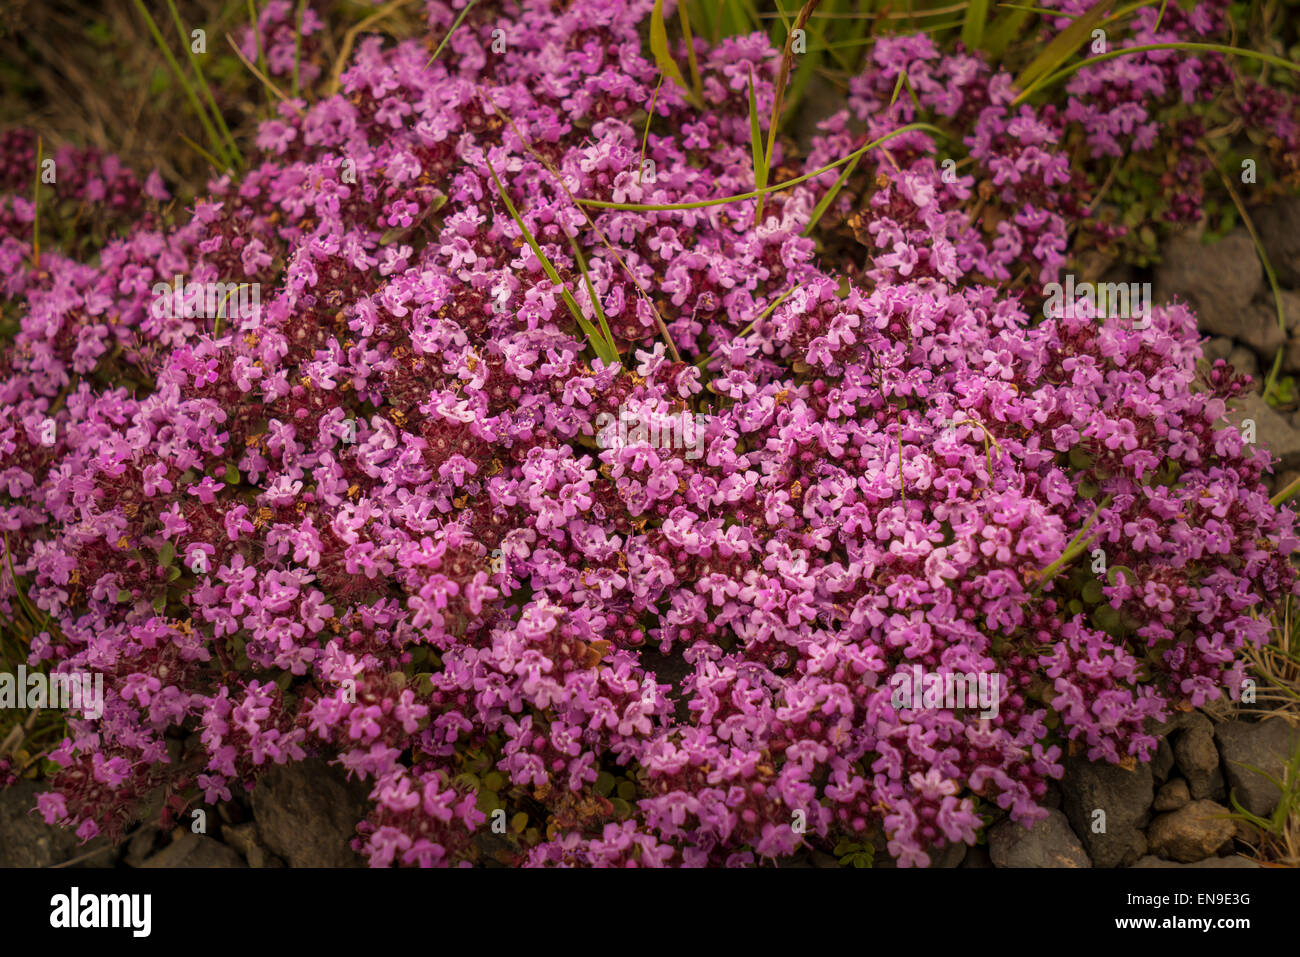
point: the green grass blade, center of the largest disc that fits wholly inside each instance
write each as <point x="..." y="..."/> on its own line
<point x="233" y="151"/>
<point x="756" y="148"/>
<point x="663" y="58"/>
<point x="1063" y="45"/>
<point x="597" y="343"/>
<point x="218" y="146"/>
<point x="825" y="202"/>
<point x="741" y="197"/>
<point x="455" y="23"/>
<point x="1148" y="47"/>
<point x="972" y="28"/>
<point x="696" y="83"/>
<point x="595" y="300"/>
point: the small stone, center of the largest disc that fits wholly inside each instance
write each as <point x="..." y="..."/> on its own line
<point x="1172" y="796"/>
<point x="1214" y="862"/>
<point x="1163" y="762"/>
<point x="948" y="857"/>
<point x="1198" y="758"/>
<point x="1217" y="348"/>
<point x="1271" y="430"/>
<point x="1124" y="796"/>
<point x="1244" y="360"/>
<point x="1049" y="843"/>
<point x="1192" y="833"/>
<point x="1265" y="745"/>
<point x="245" y="839"/>
<point x="25" y="839"/>
<point x="1217" y="280"/>
<point x="141" y="845"/>
<point x="307" y="813"/>
<point x="1278" y="224"/>
<point x="195" y="850"/>
<point x="978" y="856"/>
<point x="1284" y="479"/>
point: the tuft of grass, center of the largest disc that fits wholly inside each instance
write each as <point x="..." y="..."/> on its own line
<point x="1280" y="831"/>
<point x="753" y="194"/>
<point x="601" y="342"/>
<point x="1063" y="72"/>
<point x="220" y="147"/>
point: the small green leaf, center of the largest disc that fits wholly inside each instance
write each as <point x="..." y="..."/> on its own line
<point x="160" y="603"/>
<point x="664" y="59"/>
<point x="123" y="595"/>
<point x="1080" y="458"/>
<point x="1092" y="592"/>
<point x="232" y="475"/>
<point x="627" y="790"/>
<point x="173" y="573"/>
<point x="604" y="784"/>
<point x="1130" y="576"/>
<point x="519" y="822"/>
<point x="166" y="554"/>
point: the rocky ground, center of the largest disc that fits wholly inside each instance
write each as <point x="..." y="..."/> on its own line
<point x="1172" y="812"/>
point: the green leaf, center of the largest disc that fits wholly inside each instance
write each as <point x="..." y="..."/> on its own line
<point x="166" y="554"/>
<point x="604" y="784"/>
<point x="519" y="822"/>
<point x="1007" y="28"/>
<point x="232" y="475"/>
<point x="972" y="28"/>
<point x="626" y="790"/>
<point x="1064" y="44"/>
<point x="756" y="147"/>
<point x="664" y="59"/>
<point x="123" y="595"/>
<point x="1092" y="592"/>
<point x="160" y="603"/>
<point x="1130" y="576"/>
<point x="173" y="573"/>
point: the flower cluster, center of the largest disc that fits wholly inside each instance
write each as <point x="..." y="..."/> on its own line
<point x="374" y="521"/>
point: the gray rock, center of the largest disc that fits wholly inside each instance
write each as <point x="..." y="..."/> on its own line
<point x="1283" y="479"/>
<point x="1163" y="761"/>
<point x="1244" y="360"/>
<point x="1265" y="745"/>
<point x="1271" y="430"/>
<point x="245" y="839"/>
<point x="1198" y="759"/>
<point x="195" y="850"/>
<point x="25" y="839"/>
<point x="1279" y="230"/>
<point x="1217" y="281"/>
<point x="951" y="855"/>
<point x="1211" y="862"/>
<point x="1049" y="843"/>
<point x="978" y="856"/>
<point x="142" y="845"/>
<point x="1217" y="348"/>
<point x="1267" y="337"/>
<point x="1124" y="796"/>
<point x="307" y="814"/>
<point x="1192" y="833"/>
<point x="1172" y="796"/>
